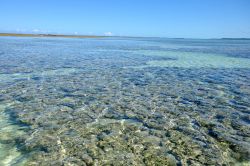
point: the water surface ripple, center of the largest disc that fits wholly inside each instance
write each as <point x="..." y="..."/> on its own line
<point x="124" y="101"/>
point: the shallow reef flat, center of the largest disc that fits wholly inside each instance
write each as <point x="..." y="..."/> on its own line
<point x="196" y="60"/>
<point x="124" y="101"/>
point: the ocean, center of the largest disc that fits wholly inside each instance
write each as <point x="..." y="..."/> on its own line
<point x="124" y="101"/>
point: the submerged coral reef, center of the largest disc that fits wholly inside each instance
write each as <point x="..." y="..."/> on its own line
<point x="121" y="101"/>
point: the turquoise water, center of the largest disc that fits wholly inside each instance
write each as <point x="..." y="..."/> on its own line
<point x="124" y="101"/>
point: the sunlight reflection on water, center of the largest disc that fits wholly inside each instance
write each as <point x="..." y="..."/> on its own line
<point x="124" y="101"/>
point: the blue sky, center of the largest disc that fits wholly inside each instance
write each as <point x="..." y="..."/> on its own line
<point x="162" y="18"/>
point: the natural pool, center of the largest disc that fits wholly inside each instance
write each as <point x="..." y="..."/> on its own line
<point x="124" y="101"/>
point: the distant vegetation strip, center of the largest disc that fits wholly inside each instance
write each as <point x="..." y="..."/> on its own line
<point x="48" y="35"/>
<point x="235" y="38"/>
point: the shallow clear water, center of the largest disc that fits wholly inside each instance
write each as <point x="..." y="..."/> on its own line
<point x="124" y="101"/>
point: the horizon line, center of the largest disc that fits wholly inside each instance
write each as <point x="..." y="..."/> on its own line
<point x="12" y="34"/>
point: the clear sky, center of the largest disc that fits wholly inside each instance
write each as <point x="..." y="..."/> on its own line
<point x="162" y="18"/>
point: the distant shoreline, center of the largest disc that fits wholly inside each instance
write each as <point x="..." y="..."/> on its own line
<point x="235" y="38"/>
<point x="48" y="35"/>
<point x="93" y="36"/>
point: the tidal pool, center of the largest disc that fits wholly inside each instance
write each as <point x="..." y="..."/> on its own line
<point x="124" y="101"/>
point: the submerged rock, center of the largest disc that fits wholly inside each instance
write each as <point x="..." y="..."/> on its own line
<point x="108" y="102"/>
